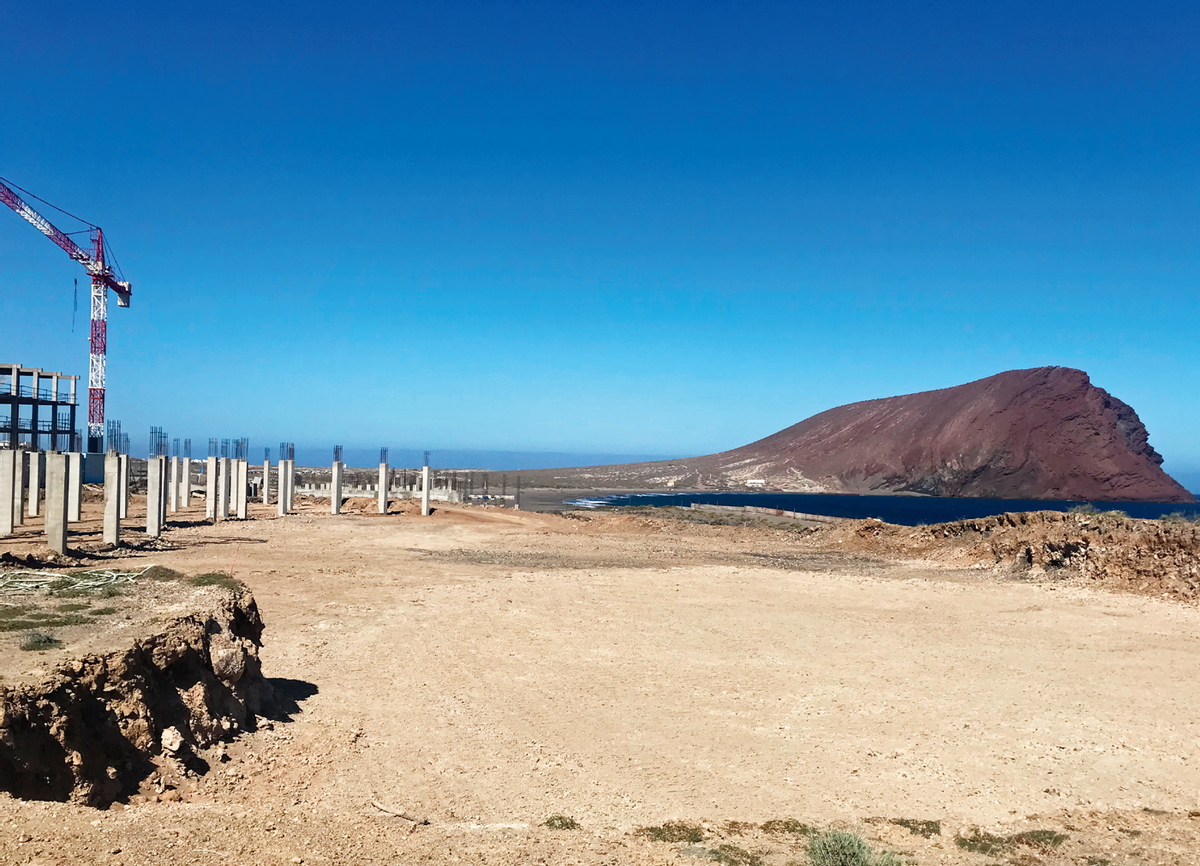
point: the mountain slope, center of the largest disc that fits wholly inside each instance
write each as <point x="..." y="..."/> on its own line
<point x="1045" y="433"/>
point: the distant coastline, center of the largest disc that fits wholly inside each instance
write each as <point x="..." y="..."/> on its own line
<point x="891" y="508"/>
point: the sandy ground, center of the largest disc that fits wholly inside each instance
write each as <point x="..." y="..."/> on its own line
<point x="488" y="669"/>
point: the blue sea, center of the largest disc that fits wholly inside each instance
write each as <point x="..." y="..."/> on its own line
<point x="904" y="510"/>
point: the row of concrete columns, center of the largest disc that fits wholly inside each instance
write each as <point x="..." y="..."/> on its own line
<point x="23" y="475"/>
<point x="335" y="489"/>
<point x="227" y="488"/>
<point x="169" y="489"/>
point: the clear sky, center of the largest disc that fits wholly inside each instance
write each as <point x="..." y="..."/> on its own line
<point x="622" y="228"/>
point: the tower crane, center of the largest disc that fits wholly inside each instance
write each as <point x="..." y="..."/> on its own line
<point x="103" y="279"/>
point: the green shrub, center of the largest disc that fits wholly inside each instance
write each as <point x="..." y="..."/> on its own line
<point x="216" y="578"/>
<point x="779" y="826"/>
<point x="1044" y="839"/>
<point x="37" y="641"/>
<point x="836" y="848"/>
<point x="927" y="829"/>
<point x="1181" y="517"/>
<point x="732" y="855"/>
<point x="160" y="572"/>
<point x="986" y="843"/>
<point x="1092" y="511"/>
<point x="561" y="822"/>
<point x="673" y="831"/>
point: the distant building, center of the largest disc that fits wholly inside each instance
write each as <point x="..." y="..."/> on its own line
<point x="40" y="407"/>
<point x="756" y="482"/>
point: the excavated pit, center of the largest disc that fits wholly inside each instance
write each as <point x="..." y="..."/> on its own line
<point x="92" y="728"/>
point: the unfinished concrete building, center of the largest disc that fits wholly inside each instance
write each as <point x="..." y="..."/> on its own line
<point x="37" y="409"/>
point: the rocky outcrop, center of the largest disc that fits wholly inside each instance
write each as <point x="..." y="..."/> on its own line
<point x="1155" y="557"/>
<point x="1108" y="549"/>
<point x="89" y="733"/>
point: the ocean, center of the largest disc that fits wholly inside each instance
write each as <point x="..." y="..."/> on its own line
<point x="903" y="510"/>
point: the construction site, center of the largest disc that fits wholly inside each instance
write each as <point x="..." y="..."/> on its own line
<point x="214" y="660"/>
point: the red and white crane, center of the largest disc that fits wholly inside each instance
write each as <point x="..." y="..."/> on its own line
<point x="103" y="279"/>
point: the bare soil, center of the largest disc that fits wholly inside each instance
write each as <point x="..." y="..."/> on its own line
<point x="489" y="669"/>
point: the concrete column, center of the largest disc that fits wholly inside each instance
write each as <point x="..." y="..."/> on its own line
<point x="225" y="484"/>
<point x="210" y="488"/>
<point x="242" y="483"/>
<point x="124" y="506"/>
<point x="383" y="488"/>
<point x="74" y="487"/>
<point x="335" y="489"/>
<point x="8" y="459"/>
<point x="154" y="496"/>
<point x="112" y="498"/>
<point x="57" y="478"/>
<point x="185" y="482"/>
<point x="266" y="485"/>
<point x="36" y="473"/>
<point x="281" y="496"/>
<point x="425" y="491"/>
<point x="166" y="478"/>
<point x="291" y="486"/>
<point x="173" y="486"/>
<point x="18" y="486"/>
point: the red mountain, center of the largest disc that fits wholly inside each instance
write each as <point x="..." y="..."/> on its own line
<point x="1046" y="433"/>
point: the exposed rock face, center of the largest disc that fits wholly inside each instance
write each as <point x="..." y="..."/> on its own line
<point x="88" y="734"/>
<point x="1045" y="433"/>
<point x="1146" y="557"/>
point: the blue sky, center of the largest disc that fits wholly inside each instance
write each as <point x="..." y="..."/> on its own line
<point x="646" y="229"/>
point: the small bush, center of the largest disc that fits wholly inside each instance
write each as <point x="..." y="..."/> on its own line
<point x="1044" y="839"/>
<point x="673" y="831"/>
<point x="1181" y="517"/>
<point x="561" y="822"/>
<point x="837" y="848"/>
<point x="732" y="855"/>
<point x="987" y="843"/>
<point x="216" y="578"/>
<point x="779" y="826"/>
<point x="927" y="829"/>
<point x="737" y="828"/>
<point x="160" y="572"/>
<point x="36" y="641"/>
<point x="1092" y="511"/>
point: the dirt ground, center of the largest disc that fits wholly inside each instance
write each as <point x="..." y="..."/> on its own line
<point x="489" y="669"/>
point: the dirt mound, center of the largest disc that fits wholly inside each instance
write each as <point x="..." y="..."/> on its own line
<point x="90" y="733"/>
<point x="1152" y="557"/>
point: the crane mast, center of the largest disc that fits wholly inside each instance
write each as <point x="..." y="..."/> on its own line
<point x="103" y="279"/>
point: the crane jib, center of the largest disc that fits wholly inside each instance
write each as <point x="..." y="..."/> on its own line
<point x="103" y="279"/>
